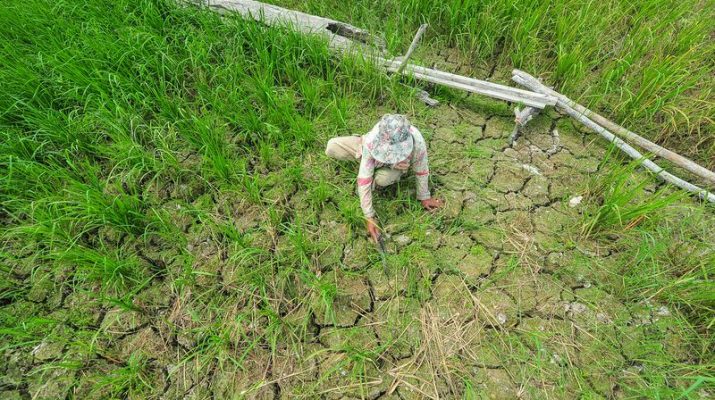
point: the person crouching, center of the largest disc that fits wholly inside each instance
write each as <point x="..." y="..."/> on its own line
<point x="386" y="153"/>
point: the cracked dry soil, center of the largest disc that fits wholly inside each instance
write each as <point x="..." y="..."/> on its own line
<point x="490" y="295"/>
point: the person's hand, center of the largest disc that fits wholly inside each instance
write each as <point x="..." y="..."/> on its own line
<point x="431" y="204"/>
<point x="373" y="230"/>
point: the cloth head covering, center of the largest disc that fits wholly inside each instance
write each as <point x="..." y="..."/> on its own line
<point x="391" y="142"/>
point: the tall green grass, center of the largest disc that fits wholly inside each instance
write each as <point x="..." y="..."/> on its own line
<point x="665" y="264"/>
<point x="92" y="111"/>
<point x="669" y="261"/>
<point x="647" y="64"/>
<point x="123" y="124"/>
<point x="621" y="199"/>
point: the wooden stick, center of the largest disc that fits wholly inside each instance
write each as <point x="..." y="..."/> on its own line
<point x="642" y="142"/>
<point x="421" y="95"/>
<point x="623" y="146"/>
<point x="412" y="47"/>
<point x="521" y="118"/>
<point x="425" y="98"/>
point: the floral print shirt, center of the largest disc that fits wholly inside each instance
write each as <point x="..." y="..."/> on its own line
<point x="368" y="165"/>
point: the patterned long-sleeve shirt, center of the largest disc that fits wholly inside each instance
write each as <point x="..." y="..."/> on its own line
<point x="368" y="165"/>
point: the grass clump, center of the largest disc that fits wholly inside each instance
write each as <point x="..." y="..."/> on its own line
<point x="622" y="203"/>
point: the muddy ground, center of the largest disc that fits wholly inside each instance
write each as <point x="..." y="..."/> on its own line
<point x="496" y="295"/>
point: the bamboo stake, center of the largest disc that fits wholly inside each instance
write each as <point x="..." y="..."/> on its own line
<point x="623" y="146"/>
<point x="425" y="98"/>
<point x="421" y="95"/>
<point x="412" y="48"/>
<point x="642" y="142"/>
<point x="521" y="118"/>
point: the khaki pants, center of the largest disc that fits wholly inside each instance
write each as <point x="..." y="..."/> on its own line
<point x="350" y="148"/>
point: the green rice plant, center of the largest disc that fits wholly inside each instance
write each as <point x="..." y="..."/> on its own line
<point x="12" y="289"/>
<point x="621" y="202"/>
<point x="141" y="151"/>
<point x="210" y="138"/>
<point x="88" y="204"/>
<point x="301" y="245"/>
<point x="26" y="180"/>
<point x="324" y="290"/>
<point x="129" y="381"/>
<point x="55" y="199"/>
<point x="253" y="186"/>
<point x="320" y="192"/>
<point x="361" y="358"/>
<point x="700" y="381"/>
<point x="214" y="343"/>
<point x="357" y="363"/>
<point x="416" y="265"/>
<point x="470" y="393"/>
<point x="223" y="333"/>
<point x="280" y="332"/>
<point x="252" y="266"/>
<point x="674" y="263"/>
<point x="350" y="210"/>
<point x="112" y="268"/>
<point x="23" y="330"/>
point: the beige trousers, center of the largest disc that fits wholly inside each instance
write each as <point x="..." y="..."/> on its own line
<point x="350" y="148"/>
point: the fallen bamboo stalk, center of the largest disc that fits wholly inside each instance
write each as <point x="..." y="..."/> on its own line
<point x="421" y="94"/>
<point x="502" y="92"/>
<point x="412" y="48"/>
<point x="346" y="38"/>
<point x="473" y="89"/>
<point x="642" y="142"/>
<point x="341" y="36"/>
<point x="623" y="146"/>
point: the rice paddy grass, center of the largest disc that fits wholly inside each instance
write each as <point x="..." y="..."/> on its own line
<point x="172" y="229"/>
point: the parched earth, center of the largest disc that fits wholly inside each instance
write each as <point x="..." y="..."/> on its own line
<point x="495" y="296"/>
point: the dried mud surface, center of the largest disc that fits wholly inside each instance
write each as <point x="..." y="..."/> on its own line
<point x="490" y="295"/>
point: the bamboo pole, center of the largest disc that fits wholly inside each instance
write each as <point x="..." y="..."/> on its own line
<point x="497" y="94"/>
<point x="411" y="49"/>
<point x="340" y="36"/>
<point x="644" y="143"/>
<point x="502" y="92"/>
<point x="623" y="146"/>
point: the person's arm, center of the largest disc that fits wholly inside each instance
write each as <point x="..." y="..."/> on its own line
<point x="420" y="166"/>
<point x="364" y="183"/>
<point x="364" y="188"/>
